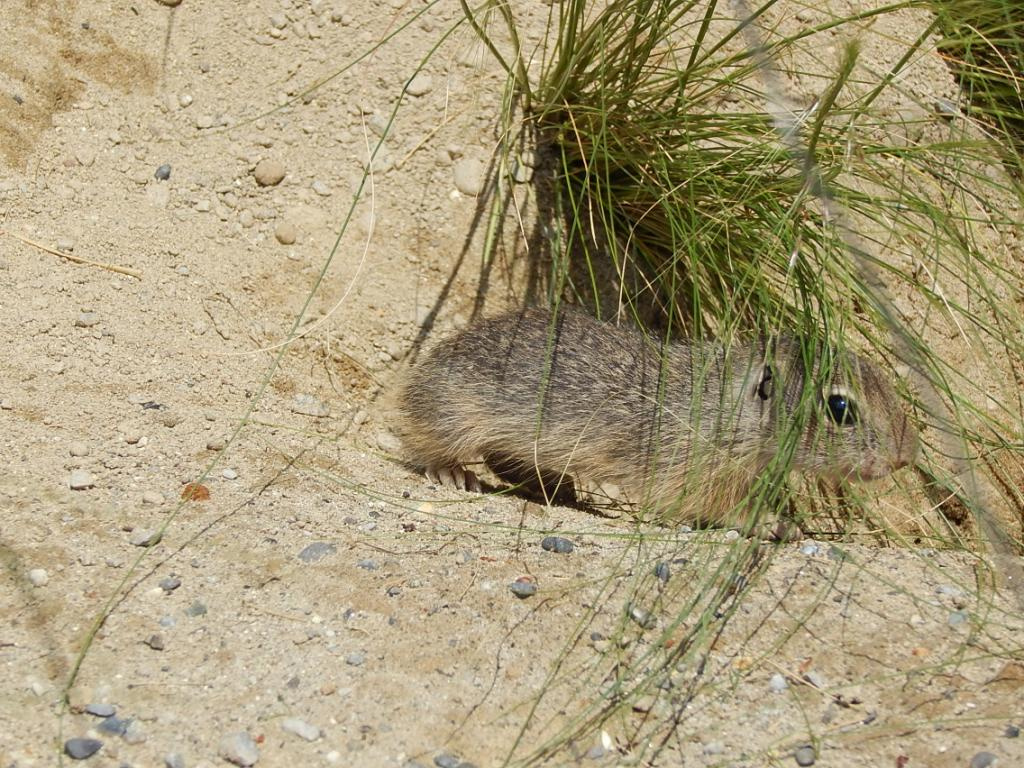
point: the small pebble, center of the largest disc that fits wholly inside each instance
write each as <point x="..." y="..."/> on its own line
<point x="1012" y="732"/>
<point x="117" y="726"/>
<point x="805" y="755"/>
<point x="174" y="760"/>
<point x="156" y="642"/>
<point x="713" y="748"/>
<point x="80" y="480"/>
<point x="196" y="609"/>
<point x="78" y="449"/>
<point x="445" y="760"/>
<point x="154" y="498"/>
<point x="419" y="85"/>
<point x="321" y="189"/>
<point x="946" y="109"/>
<point x="85" y="156"/>
<point x="268" y="173"/>
<point x="318" y="550"/>
<point x="239" y="748"/>
<point x="170" y="584"/>
<point x="642" y="617"/>
<point x="778" y="683"/>
<point x="39" y="577"/>
<point x="523" y="587"/>
<point x="956" y="618"/>
<point x="810" y="549"/>
<point x="662" y="572"/>
<point x="229" y="474"/>
<point x="163" y="173"/>
<point x="135" y="732"/>
<point x="983" y="760"/>
<point x="286" y="233"/>
<point x="355" y="659"/>
<point x="300" y="728"/>
<point x="216" y="444"/>
<point x="100" y="709"/>
<point x="145" y="537"/>
<point x="556" y="544"/>
<point x="81" y="749"/>
<point x="307" y="405"/>
<point x="367" y="565"/>
<point x="469" y="176"/>
<point x="596" y="752"/>
<point x="86" y="320"/>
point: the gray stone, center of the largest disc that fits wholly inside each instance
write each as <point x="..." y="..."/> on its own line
<point x="307" y="405"/>
<point x="81" y="749"/>
<point x="318" y="550"/>
<point x="556" y="544"/>
<point x="39" y="577"/>
<point x="805" y="755"/>
<point x="145" y="537"/>
<point x="100" y="709"/>
<point x="523" y="588"/>
<point x="983" y="760"/>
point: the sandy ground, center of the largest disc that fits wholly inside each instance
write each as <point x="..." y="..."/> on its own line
<point x="324" y="599"/>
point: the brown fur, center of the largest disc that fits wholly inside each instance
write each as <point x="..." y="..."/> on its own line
<point x="685" y="428"/>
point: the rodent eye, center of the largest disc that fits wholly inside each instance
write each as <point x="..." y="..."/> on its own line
<point x="842" y="410"/>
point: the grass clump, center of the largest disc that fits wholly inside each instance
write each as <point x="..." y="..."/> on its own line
<point x="713" y="171"/>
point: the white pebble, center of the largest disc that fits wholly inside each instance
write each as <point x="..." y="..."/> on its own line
<point x="300" y="728"/>
<point x="80" y="480"/>
<point x="420" y="85"/>
<point x="469" y="176"/>
<point x="307" y="405"/>
<point x="152" y="497"/>
<point x="321" y="189"/>
<point x="239" y="748"/>
<point x="78" y="449"/>
<point x="144" y="537"/>
<point x="230" y="474"/>
<point x="39" y="577"/>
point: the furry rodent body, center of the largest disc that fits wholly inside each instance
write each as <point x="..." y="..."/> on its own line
<point x="684" y="427"/>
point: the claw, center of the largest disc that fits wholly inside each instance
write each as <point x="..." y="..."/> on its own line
<point x="454" y="477"/>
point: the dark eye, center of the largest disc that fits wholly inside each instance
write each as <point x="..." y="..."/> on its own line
<point x="842" y="410"/>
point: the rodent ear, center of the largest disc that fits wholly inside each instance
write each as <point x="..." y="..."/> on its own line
<point x="841" y="407"/>
<point x="767" y="383"/>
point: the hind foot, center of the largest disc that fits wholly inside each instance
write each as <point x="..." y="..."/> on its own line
<point x="454" y="477"/>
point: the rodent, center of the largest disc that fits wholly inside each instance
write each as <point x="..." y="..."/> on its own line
<point x="683" y="427"/>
